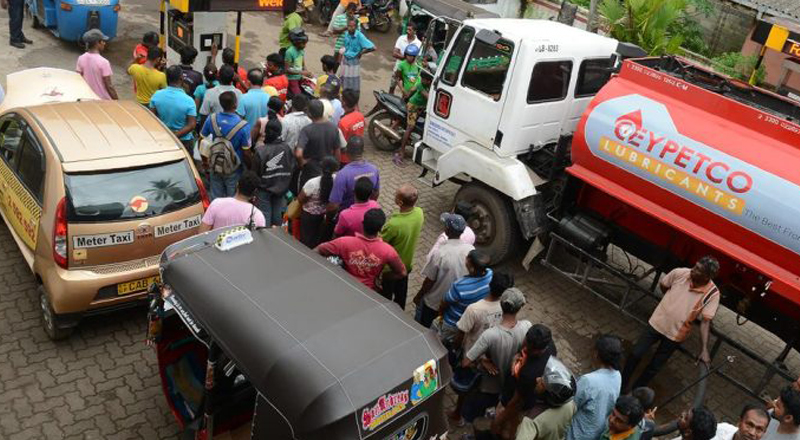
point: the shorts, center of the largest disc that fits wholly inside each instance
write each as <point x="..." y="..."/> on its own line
<point x="413" y="114"/>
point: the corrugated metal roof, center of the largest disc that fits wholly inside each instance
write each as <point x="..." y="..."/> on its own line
<point x="778" y="8"/>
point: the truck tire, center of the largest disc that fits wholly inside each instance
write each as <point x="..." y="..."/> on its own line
<point x="493" y="222"/>
<point x="50" y="319"/>
<point x="379" y="140"/>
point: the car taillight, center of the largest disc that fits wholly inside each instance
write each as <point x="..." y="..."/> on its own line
<point x="117" y="7"/>
<point x="203" y="194"/>
<point x="60" y="244"/>
<point x="66" y="6"/>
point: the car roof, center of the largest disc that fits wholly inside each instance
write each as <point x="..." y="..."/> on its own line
<point x="525" y="29"/>
<point x="43" y="85"/>
<point x="316" y="343"/>
<point x="103" y="131"/>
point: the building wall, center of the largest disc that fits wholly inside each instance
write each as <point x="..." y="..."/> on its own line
<point x="773" y="60"/>
<point x="726" y="26"/>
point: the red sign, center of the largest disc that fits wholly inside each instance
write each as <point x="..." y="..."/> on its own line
<point x="245" y="5"/>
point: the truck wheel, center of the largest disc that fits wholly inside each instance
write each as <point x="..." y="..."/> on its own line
<point x="493" y="222"/>
<point x="377" y="137"/>
<point x="50" y="319"/>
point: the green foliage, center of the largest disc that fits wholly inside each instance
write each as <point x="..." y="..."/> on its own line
<point x="739" y="66"/>
<point x="650" y="24"/>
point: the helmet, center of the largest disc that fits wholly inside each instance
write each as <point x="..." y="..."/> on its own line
<point x="298" y="35"/>
<point x="412" y="50"/>
<point x="559" y="384"/>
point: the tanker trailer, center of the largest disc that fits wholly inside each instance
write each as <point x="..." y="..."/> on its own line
<point x="671" y="162"/>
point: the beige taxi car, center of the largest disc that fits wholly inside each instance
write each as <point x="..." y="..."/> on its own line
<point x="92" y="191"/>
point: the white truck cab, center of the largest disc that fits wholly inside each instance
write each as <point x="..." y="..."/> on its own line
<point x="503" y="90"/>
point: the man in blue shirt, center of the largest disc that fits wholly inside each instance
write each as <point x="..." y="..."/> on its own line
<point x="175" y="108"/>
<point x="355" y="45"/>
<point x="227" y="121"/>
<point x="253" y="104"/>
<point x="597" y="391"/>
<point x="466" y="290"/>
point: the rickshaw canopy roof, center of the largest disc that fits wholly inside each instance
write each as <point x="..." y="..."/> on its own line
<point x="312" y="340"/>
<point x="455" y="9"/>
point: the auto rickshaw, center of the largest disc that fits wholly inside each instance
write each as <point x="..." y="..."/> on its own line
<point x="259" y="337"/>
<point x="70" y="19"/>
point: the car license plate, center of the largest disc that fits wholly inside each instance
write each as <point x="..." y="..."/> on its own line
<point x="137" y="285"/>
<point x="363" y="19"/>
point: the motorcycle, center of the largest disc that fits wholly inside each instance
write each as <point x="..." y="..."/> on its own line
<point x="389" y="122"/>
<point x="377" y="15"/>
<point x="325" y="10"/>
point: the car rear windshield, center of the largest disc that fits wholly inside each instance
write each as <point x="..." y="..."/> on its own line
<point x="130" y="193"/>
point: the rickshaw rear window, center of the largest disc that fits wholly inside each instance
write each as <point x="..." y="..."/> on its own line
<point x="130" y="193"/>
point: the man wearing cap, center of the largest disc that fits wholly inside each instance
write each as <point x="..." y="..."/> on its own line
<point x="443" y="267"/>
<point x="95" y="69"/>
<point x="494" y="351"/>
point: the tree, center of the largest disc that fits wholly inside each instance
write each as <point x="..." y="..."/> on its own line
<point x="646" y="23"/>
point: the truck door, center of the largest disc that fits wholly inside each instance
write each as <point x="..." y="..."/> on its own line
<point x="467" y="96"/>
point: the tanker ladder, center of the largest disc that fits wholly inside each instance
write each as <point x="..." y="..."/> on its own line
<point x="626" y="293"/>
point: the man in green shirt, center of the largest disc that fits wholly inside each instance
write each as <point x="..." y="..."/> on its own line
<point x="407" y="70"/>
<point x="294" y="61"/>
<point x="417" y="101"/>
<point x="402" y="232"/>
<point x="291" y="20"/>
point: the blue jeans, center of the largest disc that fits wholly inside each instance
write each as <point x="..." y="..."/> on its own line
<point x="271" y="206"/>
<point x="223" y="186"/>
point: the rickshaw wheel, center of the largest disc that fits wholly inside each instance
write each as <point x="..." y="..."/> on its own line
<point x="49" y="318"/>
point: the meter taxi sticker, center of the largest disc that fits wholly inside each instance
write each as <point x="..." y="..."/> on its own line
<point x="426" y="380"/>
<point x="102" y="240"/>
<point x="384" y="409"/>
<point x="178" y="226"/>
<point x="138" y="204"/>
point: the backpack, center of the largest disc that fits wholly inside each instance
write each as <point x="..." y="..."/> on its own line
<point x="222" y="157"/>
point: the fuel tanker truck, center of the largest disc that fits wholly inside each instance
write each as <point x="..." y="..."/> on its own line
<point x="559" y="137"/>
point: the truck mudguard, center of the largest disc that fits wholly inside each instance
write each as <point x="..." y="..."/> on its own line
<point x="720" y="170"/>
<point x="507" y="175"/>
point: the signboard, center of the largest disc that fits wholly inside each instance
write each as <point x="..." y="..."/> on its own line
<point x="792" y="48"/>
<point x="245" y="5"/>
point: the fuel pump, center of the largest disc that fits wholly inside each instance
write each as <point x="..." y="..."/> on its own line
<point x="201" y="23"/>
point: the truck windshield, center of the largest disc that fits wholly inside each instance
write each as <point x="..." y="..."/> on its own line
<point x="130" y="193"/>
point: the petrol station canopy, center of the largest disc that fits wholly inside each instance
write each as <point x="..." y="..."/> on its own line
<point x="226" y="5"/>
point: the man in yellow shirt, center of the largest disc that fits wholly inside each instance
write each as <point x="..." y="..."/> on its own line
<point x="147" y="79"/>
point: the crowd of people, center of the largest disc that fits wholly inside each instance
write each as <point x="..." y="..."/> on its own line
<point x="268" y="135"/>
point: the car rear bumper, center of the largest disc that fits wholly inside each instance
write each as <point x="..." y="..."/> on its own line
<point x="94" y="289"/>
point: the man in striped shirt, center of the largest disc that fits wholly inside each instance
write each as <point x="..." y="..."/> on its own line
<point x="466" y="290"/>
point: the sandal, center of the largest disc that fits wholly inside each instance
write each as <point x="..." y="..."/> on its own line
<point x="398" y="161"/>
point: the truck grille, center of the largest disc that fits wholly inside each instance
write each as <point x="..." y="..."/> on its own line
<point x="125" y="266"/>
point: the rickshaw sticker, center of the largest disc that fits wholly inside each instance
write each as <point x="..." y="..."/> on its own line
<point x="386" y="407"/>
<point x="138" y="204"/>
<point x="426" y="381"/>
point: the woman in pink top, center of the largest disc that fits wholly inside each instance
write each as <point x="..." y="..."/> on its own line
<point x="351" y="219"/>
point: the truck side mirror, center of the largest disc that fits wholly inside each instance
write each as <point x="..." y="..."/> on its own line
<point x="489" y="37"/>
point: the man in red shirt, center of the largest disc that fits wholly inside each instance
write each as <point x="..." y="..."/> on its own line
<point x="365" y="255"/>
<point x="352" y="122"/>
<point x="240" y="80"/>
<point x="150" y="39"/>
<point x="275" y="76"/>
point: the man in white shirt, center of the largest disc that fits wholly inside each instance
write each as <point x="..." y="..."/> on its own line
<point x="295" y="121"/>
<point x="399" y="51"/>
<point x="447" y="264"/>
<point x="753" y="421"/>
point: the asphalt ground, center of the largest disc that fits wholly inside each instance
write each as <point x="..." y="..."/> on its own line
<point x="103" y="382"/>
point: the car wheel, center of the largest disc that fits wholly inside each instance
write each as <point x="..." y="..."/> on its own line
<point x="50" y="319"/>
<point x="380" y="140"/>
<point x="493" y="221"/>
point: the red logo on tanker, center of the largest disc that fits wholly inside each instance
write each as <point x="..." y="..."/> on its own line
<point x="630" y="129"/>
<point x="386" y="407"/>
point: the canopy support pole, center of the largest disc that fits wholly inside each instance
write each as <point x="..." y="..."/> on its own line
<point x="238" y="38"/>
<point x="162" y="37"/>
<point x="214" y="353"/>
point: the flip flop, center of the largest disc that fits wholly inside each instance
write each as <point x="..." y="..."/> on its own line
<point x="398" y="161"/>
